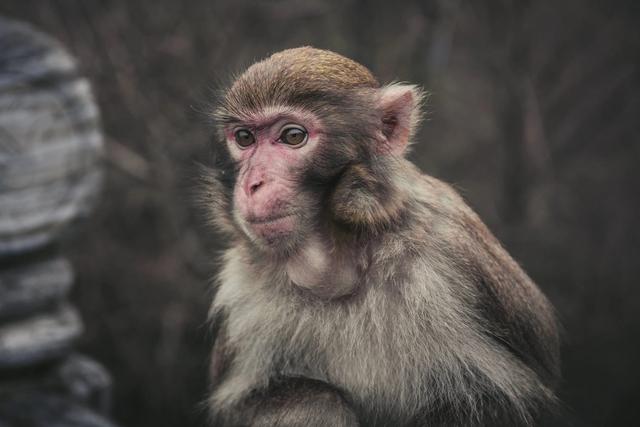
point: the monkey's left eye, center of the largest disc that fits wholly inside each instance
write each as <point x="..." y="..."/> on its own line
<point x="294" y="136"/>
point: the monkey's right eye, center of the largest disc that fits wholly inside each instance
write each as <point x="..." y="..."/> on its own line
<point x="244" y="138"/>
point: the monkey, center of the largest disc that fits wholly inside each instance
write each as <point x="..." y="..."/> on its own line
<point x="356" y="290"/>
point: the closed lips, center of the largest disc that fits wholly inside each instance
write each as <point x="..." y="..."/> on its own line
<point x="268" y="219"/>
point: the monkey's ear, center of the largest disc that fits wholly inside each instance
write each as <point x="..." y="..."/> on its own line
<point x="400" y="105"/>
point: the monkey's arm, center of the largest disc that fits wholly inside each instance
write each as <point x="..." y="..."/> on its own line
<point x="514" y="313"/>
<point x="518" y="315"/>
<point x="510" y="307"/>
<point x="509" y="310"/>
<point x="297" y="402"/>
<point x="287" y="402"/>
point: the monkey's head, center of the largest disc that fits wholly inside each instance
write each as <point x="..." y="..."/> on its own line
<point x="310" y="141"/>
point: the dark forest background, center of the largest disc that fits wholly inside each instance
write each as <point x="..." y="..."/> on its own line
<point x="534" y="116"/>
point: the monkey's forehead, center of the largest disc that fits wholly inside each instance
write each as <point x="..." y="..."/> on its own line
<point x="312" y="65"/>
<point x="294" y="73"/>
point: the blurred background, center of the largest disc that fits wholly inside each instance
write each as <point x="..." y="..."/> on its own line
<point x="534" y="116"/>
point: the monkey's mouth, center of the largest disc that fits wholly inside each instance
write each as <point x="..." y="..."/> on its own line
<point x="268" y="219"/>
<point x="272" y="228"/>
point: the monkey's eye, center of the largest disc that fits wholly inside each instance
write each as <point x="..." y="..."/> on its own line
<point x="244" y="138"/>
<point x="294" y="136"/>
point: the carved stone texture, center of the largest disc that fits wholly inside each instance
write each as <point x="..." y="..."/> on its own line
<point x="38" y="409"/>
<point x="85" y="380"/>
<point x="50" y="143"/>
<point x="33" y="286"/>
<point x="39" y="338"/>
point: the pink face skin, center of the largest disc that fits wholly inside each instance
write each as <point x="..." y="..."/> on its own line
<point x="266" y="188"/>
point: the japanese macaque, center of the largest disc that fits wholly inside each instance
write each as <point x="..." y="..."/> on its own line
<point x="357" y="291"/>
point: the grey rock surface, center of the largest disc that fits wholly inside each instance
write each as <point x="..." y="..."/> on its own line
<point x="33" y="286"/>
<point x="50" y="143"/>
<point x="85" y="380"/>
<point x="39" y="338"/>
<point x="50" y="175"/>
<point x="38" y="409"/>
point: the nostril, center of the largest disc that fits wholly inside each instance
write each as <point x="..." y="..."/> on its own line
<point x="254" y="187"/>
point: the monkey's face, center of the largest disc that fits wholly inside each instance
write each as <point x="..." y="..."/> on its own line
<point x="314" y="143"/>
<point x="270" y="149"/>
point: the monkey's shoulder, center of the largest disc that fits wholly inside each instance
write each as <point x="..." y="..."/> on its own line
<point x="510" y="305"/>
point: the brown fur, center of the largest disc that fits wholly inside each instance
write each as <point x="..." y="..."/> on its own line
<point x="284" y="75"/>
<point x="362" y="200"/>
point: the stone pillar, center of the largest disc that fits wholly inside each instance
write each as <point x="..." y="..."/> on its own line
<point x="50" y="175"/>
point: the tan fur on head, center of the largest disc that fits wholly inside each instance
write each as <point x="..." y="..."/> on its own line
<point x="293" y="71"/>
<point x="314" y="66"/>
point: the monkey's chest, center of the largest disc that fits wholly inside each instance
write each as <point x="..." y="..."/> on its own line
<point x="375" y="349"/>
<point x="354" y="350"/>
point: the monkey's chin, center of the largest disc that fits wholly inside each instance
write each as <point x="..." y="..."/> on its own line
<point x="274" y="233"/>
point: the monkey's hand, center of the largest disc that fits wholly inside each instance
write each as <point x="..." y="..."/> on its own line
<point x="294" y="402"/>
